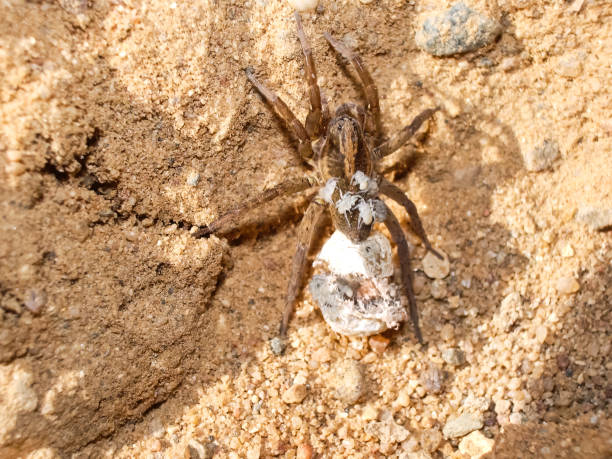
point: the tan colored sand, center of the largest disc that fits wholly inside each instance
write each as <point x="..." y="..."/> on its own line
<point x="123" y="124"/>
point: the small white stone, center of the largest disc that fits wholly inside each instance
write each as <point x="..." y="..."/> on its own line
<point x="567" y="251"/>
<point x="434" y="267"/>
<point x="476" y="445"/>
<point x="567" y="285"/>
<point x="303" y="5"/>
<point x="193" y="178"/>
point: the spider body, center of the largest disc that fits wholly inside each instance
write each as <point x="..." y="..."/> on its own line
<point x="345" y="172"/>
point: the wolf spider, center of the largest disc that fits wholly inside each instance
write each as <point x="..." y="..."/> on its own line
<point x="345" y="163"/>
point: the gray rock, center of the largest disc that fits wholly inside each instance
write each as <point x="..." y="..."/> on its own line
<point x="597" y="219"/>
<point x="278" y="345"/>
<point x="432" y="379"/>
<point x="454" y="356"/>
<point x="458" y="30"/>
<point x="349" y="381"/>
<point x="542" y="157"/>
<point x="462" y="425"/>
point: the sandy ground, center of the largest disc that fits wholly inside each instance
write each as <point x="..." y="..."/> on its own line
<point x="125" y="124"/>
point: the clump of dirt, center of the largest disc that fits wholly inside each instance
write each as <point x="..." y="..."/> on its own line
<point x="125" y="126"/>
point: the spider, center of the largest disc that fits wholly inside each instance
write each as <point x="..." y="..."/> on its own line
<point x="343" y="167"/>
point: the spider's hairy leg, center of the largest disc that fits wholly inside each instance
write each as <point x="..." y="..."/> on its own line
<point x="403" y="252"/>
<point x="401" y="137"/>
<point x="228" y="219"/>
<point x="314" y="120"/>
<point x="369" y="87"/>
<point x="306" y="233"/>
<point x="294" y="125"/>
<point x="389" y="189"/>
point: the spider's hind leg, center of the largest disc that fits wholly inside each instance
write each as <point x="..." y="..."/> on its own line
<point x="403" y="253"/>
<point x="228" y="219"/>
<point x="306" y="233"/>
<point x="389" y="189"/>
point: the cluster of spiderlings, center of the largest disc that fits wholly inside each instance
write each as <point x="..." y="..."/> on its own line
<point x="369" y="209"/>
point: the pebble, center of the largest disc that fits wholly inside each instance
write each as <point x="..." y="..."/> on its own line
<point x="516" y="418"/>
<point x="378" y="343"/>
<point x="349" y="381"/>
<point x="193" y="178"/>
<point x="510" y="312"/>
<point x="595" y="218"/>
<point x="462" y="425"/>
<point x="438" y="289"/>
<point x="155" y="445"/>
<point x="35" y="299"/>
<point x="476" y="445"/>
<point x="541" y="334"/>
<point x="458" y="30"/>
<point x="387" y="430"/>
<point x="278" y="345"/>
<point x="453" y="356"/>
<point x="303" y="5"/>
<point x="295" y="394"/>
<point x="567" y="285"/>
<point x="567" y="251"/>
<point x="321" y="355"/>
<point x="448" y="332"/>
<point x="304" y="451"/>
<point x="431" y="439"/>
<point x="434" y="267"/>
<point x="569" y="67"/>
<point x="502" y="406"/>
<point x="509" y="63"/>
<point x="542" y="157"/>
<point x="432" y="379"/>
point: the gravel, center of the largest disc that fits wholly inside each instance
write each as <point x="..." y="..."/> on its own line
<point x="567" y="285"/>
<point x="454" y="356"/>
<point x="434" y="267"/>
<point x="596" y="218"/>
<point x="462" y="425"/>
<point x="542" y="157"/>
<point x="349" y="381"/>
<point x="458" y="30"/>
<point x="278" y="345"/>
<point x="432" y="379"/>
<point x="387" y="430"/>
<point x="476" y="445"/>
<point x="295" y="394"/>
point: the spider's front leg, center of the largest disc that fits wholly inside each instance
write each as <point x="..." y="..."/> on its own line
<point x="369" y="87"/>
<point x="401" y="137"/>
<point x="294" y="125"/>
<point x="403" y="253"/>
<point x="315" y="121"/>
<point x="306" y="233"/>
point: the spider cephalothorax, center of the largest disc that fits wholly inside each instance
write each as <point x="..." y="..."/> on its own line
<point x="344" y="171"/>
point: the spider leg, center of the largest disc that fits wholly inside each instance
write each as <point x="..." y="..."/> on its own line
<point x="401" y="137"/>
<point x="314" y="120"/>
<point x="403" y="252"/>
<point x="230" y="217"/>
<point x="306" y="232"/>
<point x="294" y="125"/>
<point x="389" y="189"/>
<point x="369" y="87"/>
